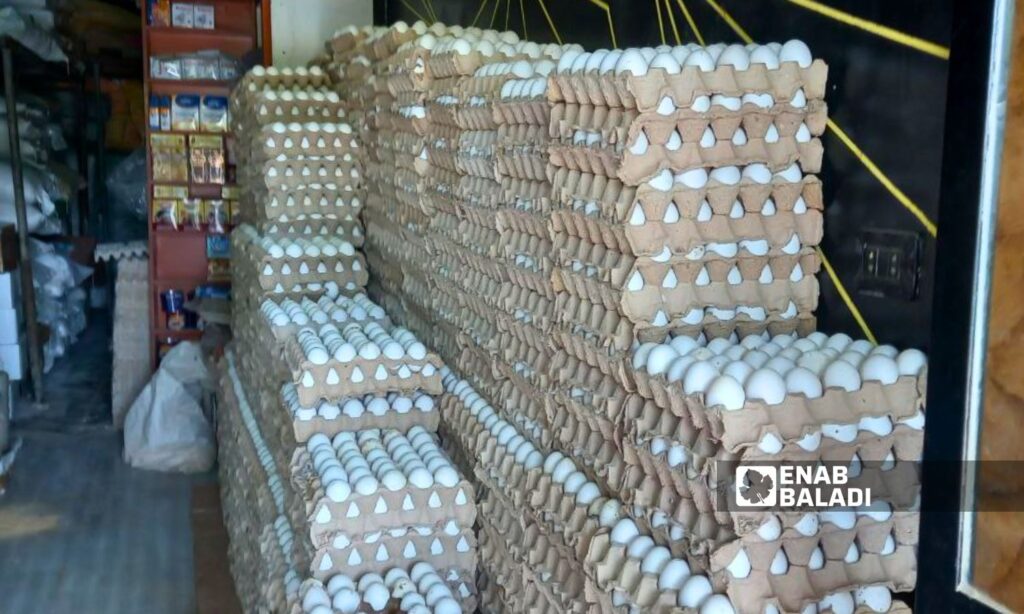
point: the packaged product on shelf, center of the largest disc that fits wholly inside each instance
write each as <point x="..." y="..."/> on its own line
<point x="182" y="15"/>
<point x="203" y="17"/>
<point x="192" y="214"/>
<point x="164" y="67"/>
<point x="165" y="113"/>
<point x="165" y="213"/>
<point x="158" y="12"/>
<point x="217" y="216"/>
<point x="207" y="158"/>
<point x="213" y="114"/>
<point x="170" y="158"/>
<point x="154" y="112"/>
<point x="185" y="112"/>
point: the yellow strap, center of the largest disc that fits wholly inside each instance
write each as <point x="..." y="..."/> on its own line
<point x="478" y="13"/>
<point x="843" y="294"/>
<point x="551" y="23"/>
<point x="672" y="20"/>
<point x="413" y="11"/>
<point x="522" y="13"/>
<point x="508" y="10"/>
<point x="430" y="9"/>
<point x="885" y="181"/>
<point x="732" y="22"/>
<point x="877" y="29"/>
<point x="689" y="20"/>
<point x="494" y="13"/>
<point x="661" y="24"/>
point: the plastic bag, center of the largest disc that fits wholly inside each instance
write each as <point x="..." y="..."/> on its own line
<point x="166" y="429"/>
<point x="126" y="185"/>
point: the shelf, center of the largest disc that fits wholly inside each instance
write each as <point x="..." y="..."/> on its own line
<point x="168" y="40"/>
<point x="185" y="333"/>
<point x="189" y="86"/>
<point x="204" y="231"/>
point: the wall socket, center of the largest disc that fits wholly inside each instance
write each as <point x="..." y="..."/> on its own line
<point x="890" y="265"/>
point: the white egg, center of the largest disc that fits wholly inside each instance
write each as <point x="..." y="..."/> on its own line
<point x="694" y="591"/>
<point x="770" y="529"/>
<point x="735" y="56"/>
<point x="624" y="532"/>
<point x="609" y="513"/>
<point x="562" y="470"/>
<point x="911" y="362"/>
<point x="725" y="391"/>
<point x="655" y="560"/>
<point x="838" y="603"/>
<point x="346" y="601"/>
<point x="767" y="386"/>
<point x="666" y="62"/>
<point x="315" y="596"/>
<point x="640" y="355"/>
<point x="765" y="55"/>
<point x="609" y="61"/>
<point x="880" y="426"/>
<point x="698" y="377"/>
<point x="631" y="61"/>
<point x="717" y="604"/>
<point x="879" y="368"/>
<point x="673" y="575"/>
<point x="877" y="598"/>
<point x="659" y="359"/>
<point x="803" y="381"/>
<point x="796" y="51"/>
<point x="701" y="59"/>
<point x="840" y="374"/>
<point x="807" y="525"/>
<point x="739" y="567"/>
<point x="639" y="547"/>
<point x="780" y="564"/>
<point x="738" y="370"/>
<point x="552" y="460"/>
<point x="843" y="519"/>
<point x="587" y="494"/>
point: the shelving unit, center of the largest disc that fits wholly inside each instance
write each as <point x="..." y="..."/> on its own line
<point x="178" y="258"/>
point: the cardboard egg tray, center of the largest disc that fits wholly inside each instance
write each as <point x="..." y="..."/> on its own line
<point x="402" y="421"/>
<point x="458" y="580"/>
<point x="344" y="42"/>
<point x="801" y="585"/>
<point x="310" y="140"/>
<point x="345" y="226"/>
<point x="599" y="457"/>
<point x="635" y="169"/>
<point x="646" y="92"/>
<point x="657" y="303"/>
<point x="341" y="200"/>
<point x="380" y="550"/>
<point x="616" y="205"/>
<point x="296" y="173"/>
<point x="284" y="277"/>
<point x="452" y="64"/>
<point x="521" y="151"/>
<point x="382" y="510"/>
<point x="252" y="83"/>
<point x="475" y="153"/>
<point x="794" y="417"/>
<point x="528" y="212"/>
<point x="360" y="376"/>
<point x="534" y="111"/>
<point x="385" y="45"/>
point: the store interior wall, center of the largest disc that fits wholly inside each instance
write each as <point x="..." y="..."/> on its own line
<point x="300" y="27"/>
<point x="888" y="96"/>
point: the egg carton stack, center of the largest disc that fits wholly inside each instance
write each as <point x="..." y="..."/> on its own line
<point x="794" y="400"/>
<point x="263" y="552"/>
<point x="421" y="589"/>
<point x="550" y="540"/>
<point x="350" y="67"/>
<point x="686" y="198"/>
<point x="395" y="218"/>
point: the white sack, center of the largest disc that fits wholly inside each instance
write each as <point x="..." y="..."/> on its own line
<point x="166" y="429"/>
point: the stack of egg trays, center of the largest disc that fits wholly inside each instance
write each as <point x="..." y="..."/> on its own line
<point x="568" y="542"/>
<point x="822" y="553"/>
<point x="393" y="590"/>
<point x="619" y="256"/>
<point x="266" y="560"/>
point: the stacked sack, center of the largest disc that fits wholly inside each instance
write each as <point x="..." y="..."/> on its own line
<point x="328" y="454"/>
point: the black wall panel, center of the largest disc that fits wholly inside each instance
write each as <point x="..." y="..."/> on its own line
<point x="888" y="97"/>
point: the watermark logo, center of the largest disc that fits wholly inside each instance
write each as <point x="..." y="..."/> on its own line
<point x="797" y="486"/>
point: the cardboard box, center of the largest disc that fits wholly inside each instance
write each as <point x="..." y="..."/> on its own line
<point x="182" y="15"/>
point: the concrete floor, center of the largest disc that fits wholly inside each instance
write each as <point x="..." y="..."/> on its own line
<point x="80" y="531"/>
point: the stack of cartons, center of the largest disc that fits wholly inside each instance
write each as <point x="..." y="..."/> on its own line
<point x="329" y="459"/>
<point x="131" y="361"/>
<point x="653" y="210"/>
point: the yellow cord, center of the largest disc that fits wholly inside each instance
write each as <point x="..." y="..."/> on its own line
<point x="551" y="23"/>
<point x="478" y="13"/>
<point x="689" y="20"/>
<point x="414" y="11"/>
<point x="885" y="181"/>
<point x="672" y="20"/>
<point x="661" y="24"/>
<point x="522" y="13"/>
<point x="877" y="29"/>
<point x="430" y="10"/>
<point x="494" y="13"/>
<point x="843" y="294"/>
<point x="732" y="22"/>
